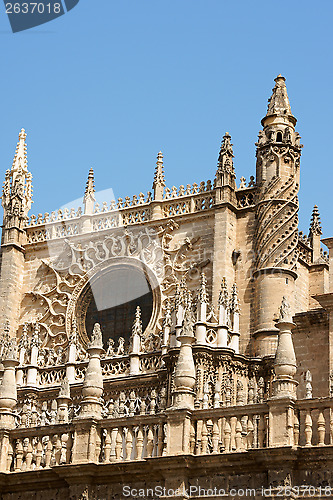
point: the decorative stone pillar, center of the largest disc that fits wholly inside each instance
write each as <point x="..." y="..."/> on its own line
<point x="91" y="405"/>
<point x="22" y="347"/>
<point x="201" y="326"/>
<point x="70" y="365"/>
<point x="223" y="303"/>
<point x="88" y="203"/>
<point x="167" y="322"/>
<point x="136" y="343"/>
<point x="281" y="405"/>
<point x="285" y="366"/>
<point x="33" y="367"/>
<point x="234" y="310"/>
<point x="64" y="399"/>
<point x="8" y="400"/>
<point x="184" y="380"/>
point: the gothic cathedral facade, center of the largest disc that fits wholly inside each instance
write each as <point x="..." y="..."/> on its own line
<point x="174" y="344"/>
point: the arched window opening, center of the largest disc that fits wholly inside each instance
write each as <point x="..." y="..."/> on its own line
<point x="112" y="300"/>
<point x="279" y="137"/>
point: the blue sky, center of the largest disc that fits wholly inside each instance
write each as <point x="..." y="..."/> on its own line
<point x="111" y="83"/>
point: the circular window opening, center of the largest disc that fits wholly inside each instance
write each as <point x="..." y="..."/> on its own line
<point x="113" y="297"/>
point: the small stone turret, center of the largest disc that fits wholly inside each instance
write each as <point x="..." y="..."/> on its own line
<point x="225" y="179"/>
<point x="17" y="195"/>
<point x="315" y="233"/>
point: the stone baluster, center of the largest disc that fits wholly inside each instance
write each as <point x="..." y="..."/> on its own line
<point x="139" y="443"/>
<point x="308" y="428"/>
<point x="136" y="343"/>
<point x="261" y="431"/>
<point x="128" y="444"/>
<point x="150" y="442"/>
<point x="39" y="454"/>
<point x="296" y="430"/>
<point x="250" y="433"/>
<point x="222" y="331"/>
<point x="201" y="326"/>
<point x="198" y="437"/>
<point x="119" y="444"/>
<point x="227" y="435"/>
<point x="215" y="436"/>
<point x="321" y="428"/>
<point x="238" y="436"/>
<point x="204" y="438"/>
<point x="107" y="447"/>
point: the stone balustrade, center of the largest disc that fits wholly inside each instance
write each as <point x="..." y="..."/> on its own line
<point x="39" y="448"/>
<point x="135" y="438"/>
<point x="228" y="430"/>
<point x="313" y="422"/>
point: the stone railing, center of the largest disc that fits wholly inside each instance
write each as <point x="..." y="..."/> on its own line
<point x="65" y="223"/>
<point x="227" y="430"/>
<point x="39" y="447"/>
<point x="133" y="438"/>
<point x="313" y="422"/>
<point x="137" y="436"/>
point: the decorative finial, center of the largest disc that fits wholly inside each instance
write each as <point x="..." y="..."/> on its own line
<point x="137" y="325"/>
<point x="285" y="312"/>
<point x="167" y="321"/>
<point x="223" y="296"/>
<point x="65" y="390"/>
<point x="278" y="103"/>
<point x="234" y="304"/>
<point x="188" y="322"/>
<point x="90" y="186"/>
<point x="315" y="225"/>
<point x="96" y="337"/>
<point x="203" y="296"/>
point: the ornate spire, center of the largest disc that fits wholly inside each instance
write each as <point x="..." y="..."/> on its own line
<point x="315" y="225"/>
<point x="225" y="174"/>
<point x="17" y="188"/>
<point x="159" y="179"/>
<point x="89" y="194"/>
<point x="225" y="161"/>
<point x="278" y="103"/>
